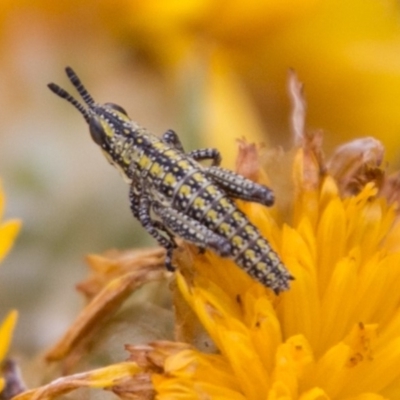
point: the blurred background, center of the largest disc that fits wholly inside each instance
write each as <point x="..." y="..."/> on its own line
<point x="214" y="71"/>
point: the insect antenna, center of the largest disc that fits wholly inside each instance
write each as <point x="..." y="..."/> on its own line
<point x="65" y="95"/>
<point x="79" y="86"/>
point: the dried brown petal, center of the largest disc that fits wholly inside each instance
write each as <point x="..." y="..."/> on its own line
<point x="114" y="263"/>
<point x="299" y="106"/>
<point x="108" y="301"/>
<point x="314" y="167"/>
<point x="151" y="357"/>
<point x="311" y="166"/>
<point x="247" y="161"/>
<point x="356" y="163"/>
<point x="138" y="387"/>
<point x="391" y="188"/>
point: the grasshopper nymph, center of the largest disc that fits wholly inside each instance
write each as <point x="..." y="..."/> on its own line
<point x="172" y="194"/>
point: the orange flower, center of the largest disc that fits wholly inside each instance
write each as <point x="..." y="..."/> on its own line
<point x="334" y="335"/>
<point x="237" y="53"/>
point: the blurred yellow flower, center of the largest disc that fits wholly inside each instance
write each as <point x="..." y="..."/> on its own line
<point x="346" y="53"/>
<point x="237" y="54"/>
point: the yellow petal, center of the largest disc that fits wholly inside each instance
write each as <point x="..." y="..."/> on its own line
<point x="6" y="332"/>
<point x="241" y="353"/>
<point x="299" y="309"/>
<point x="8" y="232"/>
<point x="314" y="394"/>
<point x="337" y="369"/>
<point x="338" y="302"/>
<point x="292" y="358"/>
<point x="105" y="377"/>
<point x="331" y="240"/>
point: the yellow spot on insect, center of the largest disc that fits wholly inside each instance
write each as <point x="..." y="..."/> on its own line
<point x="144" y="161"/>
<point x="158" y="145"/>
<point x="127" y="158"/>
<point x="237" y="216"/>
<point x="169" y="179"/>
<point x="211" y="214"/>
<point x="185" y="190"/>
<point x="262" y="244"/>
<point x="170" y="153"/>
<point x="183" y="164"/>
<point x="225" y="228"/>
<point x="250" y="230"/>
<point x="199" y="202"/>
<point x="281" y="267"/>
<point x="121" y="116"/>
<point x="224" y="202"/>
<point x="156" y="169"/>
<point x="272" y="256"/>
<point x="107" y="128"/>
<point x="271" y="277"/>
<point x="198" y="177"/>
<point x="237" y="241"/>
<point x="250" y="254"/>
<point x="126" y="131"/>
<point x="261" y="267"/>
<point x="211" y="189"/>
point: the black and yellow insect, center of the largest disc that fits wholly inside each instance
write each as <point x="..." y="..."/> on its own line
<point x="172" y="194"/>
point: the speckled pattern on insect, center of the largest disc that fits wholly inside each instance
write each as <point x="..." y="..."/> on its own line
<point x="172" y="194"/>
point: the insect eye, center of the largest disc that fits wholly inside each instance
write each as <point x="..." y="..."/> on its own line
<point x="97" y="131"/>
<point x="116" y="107"/>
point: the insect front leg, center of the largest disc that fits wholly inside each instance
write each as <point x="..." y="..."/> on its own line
<point x="206" y="154"/>
<point x="239" y="187"/>
<point x="172" y="138"/>
<point x="140" y="206"/>
<point x="191" y="230"/>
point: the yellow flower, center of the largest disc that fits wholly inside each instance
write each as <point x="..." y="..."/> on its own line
<point x="224" y="56"/>
<point x="345" y="52"/>
<point x="334" y="335"/>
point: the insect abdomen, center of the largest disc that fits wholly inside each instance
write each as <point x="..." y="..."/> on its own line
<point x="212" y="208"/>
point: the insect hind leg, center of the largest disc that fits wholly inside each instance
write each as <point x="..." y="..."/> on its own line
<point x="140" y="206"/>
<point x="239" y="187"/>
<point x="192" y="231"/>
<point x="206" y="154"/>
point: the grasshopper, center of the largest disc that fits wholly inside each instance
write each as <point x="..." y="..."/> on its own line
<point x="173" y="195"/>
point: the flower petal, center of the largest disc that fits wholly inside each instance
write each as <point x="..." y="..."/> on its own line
<point x="8" y="232"/>
<point x="6" y="332"/>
